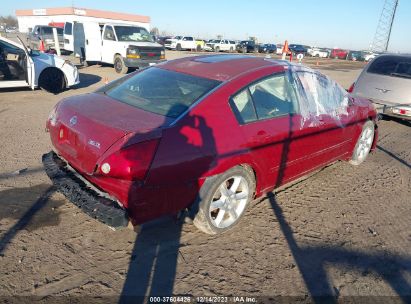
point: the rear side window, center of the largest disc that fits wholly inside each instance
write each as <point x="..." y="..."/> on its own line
<point x="163" y="92"/>
<point x="391" y="66"/>
<point x="268" y="98"/>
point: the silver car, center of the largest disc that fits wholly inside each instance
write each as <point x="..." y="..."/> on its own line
<point x="386" y="81"/>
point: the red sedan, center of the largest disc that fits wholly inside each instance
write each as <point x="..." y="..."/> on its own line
<point x="205" y="134"/>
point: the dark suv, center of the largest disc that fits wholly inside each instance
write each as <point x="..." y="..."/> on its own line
<point x="247" y="46"/>
<point x="267" y="48"/>
<point x="298" y="49"/>
<point x="45" y="33"/>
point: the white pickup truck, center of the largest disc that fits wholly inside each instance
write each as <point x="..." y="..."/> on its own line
<point x="124" y="46"/>
<point x="220" y="45"/>
<point x="317" y="52"/>
<point x="180" y="43"/>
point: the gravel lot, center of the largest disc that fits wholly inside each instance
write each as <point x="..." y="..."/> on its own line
<point x="345" y="231"/>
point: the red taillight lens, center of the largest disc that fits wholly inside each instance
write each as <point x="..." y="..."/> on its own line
<point x="351" y="89"/>
<point x="130" y="163"/>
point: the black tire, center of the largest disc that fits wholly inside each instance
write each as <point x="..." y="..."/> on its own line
<point x="217" y="49"/>
<point x="198" y="49"/>
<point x="201" y="208"/>
<point x="178" y="47"/>
<point x="52" y="80"/>
<point x="119" y="65"/>
<point x="244" y="50"/>
<point x="355" y="158"/>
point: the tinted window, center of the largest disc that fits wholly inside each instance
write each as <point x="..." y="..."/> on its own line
<point x="7" y="46"/>
<point x="59" y="31"/>
<point x="47" y="31"/>
<point x="109" y="33"/>
<point x="243" y="107"/>
<point x="68" y="28"/>
<point x="391" y="66"/>
<point x="161" y="91"/>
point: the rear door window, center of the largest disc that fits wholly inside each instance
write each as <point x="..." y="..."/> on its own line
<point x="271" y="97"/>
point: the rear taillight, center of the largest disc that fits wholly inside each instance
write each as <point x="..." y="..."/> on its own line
<point x="130" y="163"/>
<point x="351" y="89"/>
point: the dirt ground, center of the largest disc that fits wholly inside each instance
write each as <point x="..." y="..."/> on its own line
<point x="343" y="232"/>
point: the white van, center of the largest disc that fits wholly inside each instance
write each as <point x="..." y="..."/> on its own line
<point x="124" y="46"/>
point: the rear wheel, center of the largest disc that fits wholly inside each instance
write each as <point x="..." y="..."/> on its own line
<point x="364" y="144"/>
<point x="119" y="65"/>
<point x="178" y="47"/>
<point x="223" y="200"/>
<point x="52" y="80"/>
<point x="198" y="48"/>
<point x="217" y="49"/>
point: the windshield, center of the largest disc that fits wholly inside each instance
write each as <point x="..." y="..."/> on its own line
<point x="161" y="91"/>
<point x="133" y="33"/>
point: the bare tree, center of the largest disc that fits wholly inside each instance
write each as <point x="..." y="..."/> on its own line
<point x="9" y="21"/>
<point x="154" y="31"/>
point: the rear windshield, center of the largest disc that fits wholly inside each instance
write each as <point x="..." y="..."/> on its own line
<point x="391" y="66"/>
<point x="161" y="91"/>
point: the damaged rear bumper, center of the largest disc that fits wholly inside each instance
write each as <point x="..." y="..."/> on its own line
<point x="76" y="190"/>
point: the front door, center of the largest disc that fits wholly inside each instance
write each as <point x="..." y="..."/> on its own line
<point x="16" y="66"/>
<point x="109" y="44"/>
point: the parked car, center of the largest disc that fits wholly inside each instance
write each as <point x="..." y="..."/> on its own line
<point x="180" y="43"/>
<point x="162" y="39"/>
<point x="355" y="56"/>
<point x="387" y="82"/>
<point x="267" y="48"/>
<point x="207" y="133"/>
<point x="45" y="33"/>
<point x="297" y="49"/>
<point x="20" y="67"/>
<point x="280" y="49"/>
<point x="317" y="52"/>
<point x="339" y="54"/>
<point x="247" y="46"/>
<point x="370" y="56"/>
<point x="223" y="45"/>
<point x="122" y="45"/>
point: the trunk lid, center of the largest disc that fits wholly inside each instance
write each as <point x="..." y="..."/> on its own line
<point x="88" y="125"/>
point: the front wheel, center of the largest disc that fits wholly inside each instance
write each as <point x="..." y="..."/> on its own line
<point x="364" y="144"/>
<point x="223" y="200"/>
<point x="119" y="65"/>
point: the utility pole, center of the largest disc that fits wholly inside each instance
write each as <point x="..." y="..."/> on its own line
<point x="384" y="28"/>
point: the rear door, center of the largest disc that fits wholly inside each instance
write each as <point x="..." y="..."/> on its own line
<point x="68" y="37"/>
<point x="269" y="114"/>
<point x="387" y="81"/>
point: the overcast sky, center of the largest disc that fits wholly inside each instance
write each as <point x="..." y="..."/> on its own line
<point x="347" y="24"/>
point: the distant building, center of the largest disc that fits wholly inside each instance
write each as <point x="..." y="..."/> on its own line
<point x="27" y="19"/>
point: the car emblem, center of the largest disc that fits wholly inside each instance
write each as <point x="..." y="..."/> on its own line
<point x="94" y="143"/>
<point x="73" y="120"/>
<point x="383" y="90"/>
